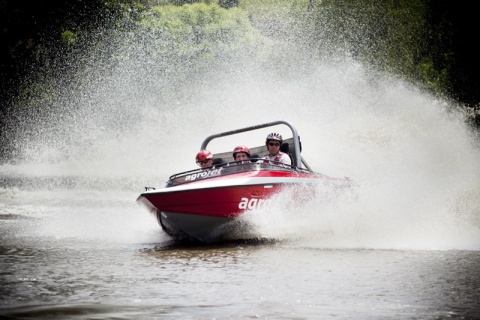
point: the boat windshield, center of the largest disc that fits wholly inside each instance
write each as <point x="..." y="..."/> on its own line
<point x="229" y="168"/>
<point x="290" y="146"/>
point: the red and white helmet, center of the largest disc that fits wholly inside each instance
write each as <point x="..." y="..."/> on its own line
<point x="241" y="149"/>
<point x="275" y="136"/>
<point x="203" y="155"/>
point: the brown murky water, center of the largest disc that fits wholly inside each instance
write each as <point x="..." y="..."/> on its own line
<point x="73" y="254"/>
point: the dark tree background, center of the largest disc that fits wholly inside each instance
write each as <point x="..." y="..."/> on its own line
<point x="454" y="33"/>
<point x="30" y="28"/>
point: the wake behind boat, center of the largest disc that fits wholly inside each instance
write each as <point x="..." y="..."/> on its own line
<point x="207" y="205"/>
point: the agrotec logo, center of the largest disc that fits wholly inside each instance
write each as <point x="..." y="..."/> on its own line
<point x="253" y="203"/>
<point x="204" y="174"/>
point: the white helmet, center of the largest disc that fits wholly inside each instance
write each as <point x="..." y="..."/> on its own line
<point x="275" y="136"/>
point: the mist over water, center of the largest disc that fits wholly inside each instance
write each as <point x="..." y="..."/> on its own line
<point x="134" y="121"/>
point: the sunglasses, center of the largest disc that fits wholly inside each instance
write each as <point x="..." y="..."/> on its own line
<point x="204" y="161"/>
<point x="271" y="144"/>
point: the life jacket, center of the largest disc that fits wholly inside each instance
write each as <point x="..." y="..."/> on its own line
<point x="276" y="160"/>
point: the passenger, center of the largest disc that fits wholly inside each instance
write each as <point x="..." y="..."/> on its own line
<point x="204" y="159"/>
<point x="275" y="156"/>
<point x="241" y="154"/>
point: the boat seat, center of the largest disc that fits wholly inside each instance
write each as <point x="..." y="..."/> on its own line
<point x="285" y="148"/>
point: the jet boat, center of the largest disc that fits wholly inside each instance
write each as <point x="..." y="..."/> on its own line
<point x="207" y="206"/>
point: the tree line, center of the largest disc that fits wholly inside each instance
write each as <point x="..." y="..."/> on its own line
<point x="429" y="42"/>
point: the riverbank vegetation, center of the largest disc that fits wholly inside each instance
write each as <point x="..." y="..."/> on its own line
<point x="426" y="42"/>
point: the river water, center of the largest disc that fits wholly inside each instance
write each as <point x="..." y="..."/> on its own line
<point x="106" y="264"/>
<point x="72" y="252"/>
<point x="75" y="245"/>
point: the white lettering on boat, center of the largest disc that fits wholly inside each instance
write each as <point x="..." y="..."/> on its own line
<point x="250" y="204"/>
<point x="204" y="174"/>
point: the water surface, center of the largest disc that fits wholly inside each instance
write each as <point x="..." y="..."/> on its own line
<point x="89" y="254"/>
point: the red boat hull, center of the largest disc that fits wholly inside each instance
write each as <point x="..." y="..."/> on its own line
<point x="207" y="210"/>
<point x="207" y="215"/>
<point x="214" y="202"/>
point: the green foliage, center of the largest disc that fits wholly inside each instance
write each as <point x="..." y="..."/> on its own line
<point x="405" y="45"/>
<point x="390" y="35"/>
<point x="227" y="4"/>
<point x="424" y="41"/>
<point x="201" y="29"/>
<point x="434" y="79"/>
<point x="68" y="37"/>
